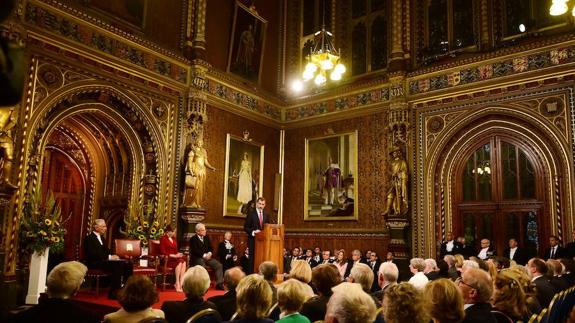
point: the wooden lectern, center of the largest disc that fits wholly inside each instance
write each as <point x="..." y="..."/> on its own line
<point x="270" y="246"/>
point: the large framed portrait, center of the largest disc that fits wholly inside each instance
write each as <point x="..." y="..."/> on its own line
<point x="331" y="177"/>
<point x="247" y="43"/>
<point x="244" y="175"/>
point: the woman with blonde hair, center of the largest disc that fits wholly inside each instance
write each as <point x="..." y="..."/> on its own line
<point x="291" y="296"/>
<point x="459" y="262"/>
<point x="444" y="301"/>
<point x="509" y="301"/>
<point x="301" y="271"/>
<point x="404" y="303"/>
<point x="253" y="300"/>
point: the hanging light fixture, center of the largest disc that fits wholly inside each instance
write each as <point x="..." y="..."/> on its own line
<point x="559" y="7"/>
<point x="324" y="59"/>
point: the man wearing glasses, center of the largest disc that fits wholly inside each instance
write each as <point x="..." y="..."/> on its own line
<point x="476" y="287"/>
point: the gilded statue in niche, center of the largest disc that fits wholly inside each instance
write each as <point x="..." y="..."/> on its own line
<point x="195" y="175"/>
<point x="397" y="203"/>
<point x="8" y="120"/>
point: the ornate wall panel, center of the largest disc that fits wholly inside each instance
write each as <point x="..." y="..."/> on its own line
<point x="372" y="170"/>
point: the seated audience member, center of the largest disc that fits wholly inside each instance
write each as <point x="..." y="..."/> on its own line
<point x="317" y="254"/>
<point x="476" y="287"/>
<point x="97" y="256"/>
<point x="501" y="262"/>
<point x="324" y="277"/>
<point x="465" y="250"/>
<point x="416" y="266"/>
<point x="226" y="303"/>
<point x="555" y="274"/>
<point x="301" y="271"/>
<point x="227" y="252"/>
<point x="387" y="276"/>
<point x="309" y="258"/>
<point x="519" y="255"/>
<point x="487" y="250"/>
<point x="196" y="283"/>
<point x="254" y="299"/>
<point x="555" y="251"/>
<point x="341" y="263"/>
<point x="467" y="264"/>
<point x="363" y="275"/>
<point x="509" y="301"/>
<point x="136" y="298"/>
<point x="63" y="282"/>
<point x="350" y="304"/>
<point x="291" y="296"/>
<point x="431" y="271"/>
<point x="481" y="263"/>
<point x="373" y="263"/>
<point x="355" y="259"/>
<point x="491" y="269"/>
<point x="201" y="254"/>
<point x="544" y="290"/>
<point x="290" y="259"/>
<point x="451" y="270"/>
<point x="404" y="303"/>
<point x="459" y="259"/>
<point x="449" y="246"/>
<point x="528" y="288"/>
<point x="269" y="271"/>
<point x="444" y="302"/>
<point x="390" y="257"/>
<point x="245" y="259"/>
<point x="326" y="257"/>
<point x="442" y="269"/>
<point x="176" y="260"/>
<point x="569" y="274"/>
<point x="570" y="247"/>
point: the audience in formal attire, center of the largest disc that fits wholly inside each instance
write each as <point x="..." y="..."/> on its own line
<point x="515" y="253"/>
<point x="176" y="260"/>
<point x="195" y="285"/>
<point x="570" y="247"/>
<point x="268" y="270"/>
<point x="444" y="302"/>
<point x="301" y="271"/>
<point x="309" y="258"/>
<point x="290" y="259"/>
<point x="464" y="249"/>
<point x="402" y="303"/>
<point x="326" y="258"/>
<point x="98" y="256"/>
<point x="341" y="263"/>
<point x="452" y="272"/>
<point x="291" y="296"/>
<point x="387" y="276"/>
<point x="538" y="270"/>
<point x="417" y="266"/>
<point x="201" y="253"/>
<point x="528" y="287"/>
<point x="254" y="298"/>
<point x="62" y="283"/>
<point x="363" y="275"/>
<point x="350" y="304"/>
<point x="374" y="263"/>
<point x="355" y="259"/>
<point x="431" y="271"/>
<point x="487" y="250"/>
<point x="324" y="278"/>
<point x="555" y="251"/>
<point x="136" y="298"/>
<point x="227" y="252"/>
<point x="449" y="246"/>
<point x="555" y="274"/>
<point x="476" y="287"/>
<point x="509" y="300"/>
<point x="569" y="274"/>
<point x="226" y="303"/>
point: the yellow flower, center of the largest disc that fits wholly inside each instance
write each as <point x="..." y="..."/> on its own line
<point x="48" y="222"/>
<point x="30" y="234"/>
<point x="42" y="232"/>
<point x="156" y="223"/>
<point x="161" y="231"/>
<point x="56" y="239"/>
<point x="141" y="237"/>
<point x="139" y="229"/>
<point x="153" y="230"/>
<point x="145" y="224"/>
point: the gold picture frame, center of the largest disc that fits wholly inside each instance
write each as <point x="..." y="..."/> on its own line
<point x="331" y="178"/>
<point x="244" y="164"/>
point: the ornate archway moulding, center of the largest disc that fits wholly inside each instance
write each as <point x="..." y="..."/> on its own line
<point x="443" y="123"/>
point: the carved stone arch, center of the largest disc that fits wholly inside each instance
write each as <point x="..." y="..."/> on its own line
<point x="529" y="130"/>
<point x="136" y="122"/>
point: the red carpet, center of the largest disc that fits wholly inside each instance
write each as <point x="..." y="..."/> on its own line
<point x="88" y="296"/>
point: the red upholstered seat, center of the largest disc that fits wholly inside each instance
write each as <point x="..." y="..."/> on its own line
<point x="132" y="250"/>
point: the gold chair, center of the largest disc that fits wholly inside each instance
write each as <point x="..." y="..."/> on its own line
<point x="205" y="316"/>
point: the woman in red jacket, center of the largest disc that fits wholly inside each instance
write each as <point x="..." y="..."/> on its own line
<point x="176" y="260"/>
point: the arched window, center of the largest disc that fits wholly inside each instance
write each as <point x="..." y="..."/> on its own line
<point x="359" y="65"/>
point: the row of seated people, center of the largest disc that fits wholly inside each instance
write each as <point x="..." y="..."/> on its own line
<point x="482" y="291"/>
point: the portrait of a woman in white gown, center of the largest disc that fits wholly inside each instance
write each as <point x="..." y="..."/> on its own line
<point x="245" y="181"/>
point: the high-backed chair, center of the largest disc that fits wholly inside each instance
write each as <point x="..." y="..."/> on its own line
<point x="205" y="316"/>
<point x="132" y="251"/>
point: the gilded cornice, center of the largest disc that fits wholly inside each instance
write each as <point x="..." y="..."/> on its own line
<point x="54" y="18"/>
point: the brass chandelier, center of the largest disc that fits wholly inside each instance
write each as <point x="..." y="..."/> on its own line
<point x="323" y="60"/>
<point x="560" y="7"/>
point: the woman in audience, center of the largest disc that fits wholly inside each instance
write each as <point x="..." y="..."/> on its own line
<point x="301" y="271"/>
<point x="291" y="296"/>
<point x="459" y="263"/>
<point x="176" y="260"/>
<point x="253" y="299"/>
<point x="528" y="288"/>
<point x="404" y="303"/>
<point x="324" y="277"/>
<point x="509" y="302"/>
<point x="341" y="263"/>
<point x="444" y="301"/>
<point x="195" y="284"/>
<point x="136" y="298"/>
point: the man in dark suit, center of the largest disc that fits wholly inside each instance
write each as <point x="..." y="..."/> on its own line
<point x="97" y="256"/>
<point x="476" y="287"/>
<point x="544" y="290"/>
<point x="463" y="249"/>
<point x="519" y="255"/>
<point x="570" y="247"/>
<point x="487" y="250"/>
<point x="309" y="258"/>
<point x="555" y="251"/>
<point x="291" y="258"/>
<point x="374" y="264"/>
<point x="201" y="254"/>
<point x="254" y="223"/>
<point x="226" y="303"/>
<point x="449" y="246"/>
<point x="355" y="259"/>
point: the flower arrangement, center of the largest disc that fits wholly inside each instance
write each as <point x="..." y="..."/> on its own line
<point x="41" y="226"/>
<point x="141" y="225"/>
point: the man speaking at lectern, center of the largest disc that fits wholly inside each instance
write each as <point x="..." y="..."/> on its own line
<point x="255" y="223"/>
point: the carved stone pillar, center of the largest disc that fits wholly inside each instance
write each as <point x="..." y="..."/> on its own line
<point x="398" y="198"/>
<point x="396" y="58"/>
<point x="195" y="45"/>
